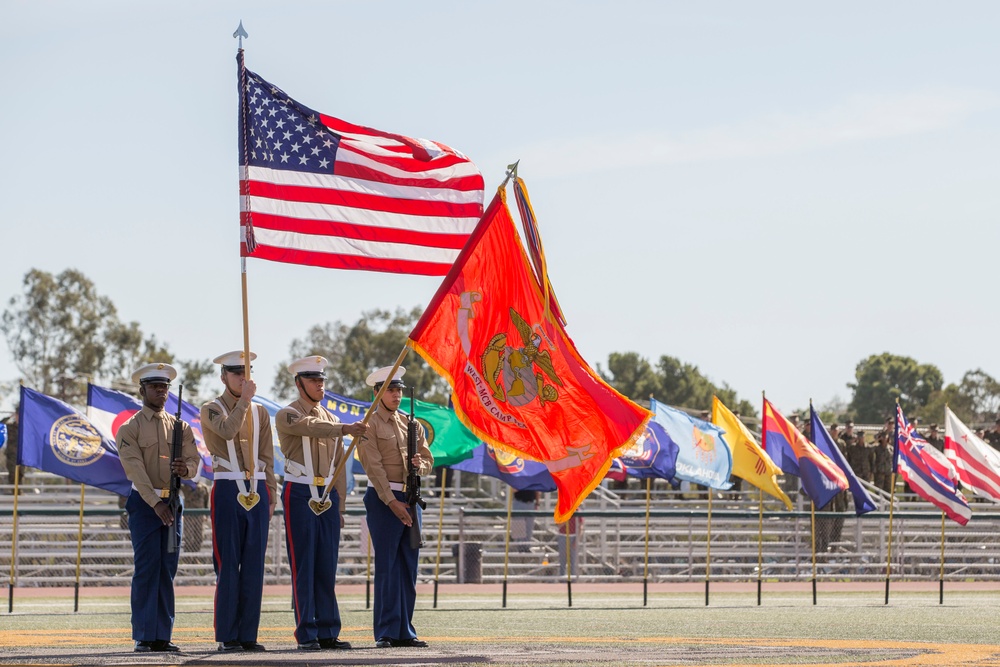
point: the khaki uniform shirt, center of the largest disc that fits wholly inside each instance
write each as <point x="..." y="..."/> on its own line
<point x="217" y="429"/>
<point x="325" y="432"/>
<point x="383" y="451"/>
<point x="144" y="444"/>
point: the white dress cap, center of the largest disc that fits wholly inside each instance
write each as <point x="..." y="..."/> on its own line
<point x="161" y="373"/>
<point x="309" y="367"/>
<point x="382" y="374"/>
<point x="234" y="359"/>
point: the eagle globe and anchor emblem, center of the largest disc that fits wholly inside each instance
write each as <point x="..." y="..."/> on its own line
<point x="513" y="374"/>
<point x="75" y="441"/>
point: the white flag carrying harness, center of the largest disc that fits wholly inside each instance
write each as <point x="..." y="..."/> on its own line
<point x="315" y="504"/>
<point x="246" y="497"/>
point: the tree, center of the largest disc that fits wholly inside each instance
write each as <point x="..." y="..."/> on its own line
<point x="883" y="378"/>
<point x="61" y="332"/>
<point x="355" y="351"/>
<point x="975" y="399"/>
<point x="671" y="381"/>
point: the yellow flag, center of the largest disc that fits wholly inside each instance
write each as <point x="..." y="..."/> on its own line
<point x="749" y="461"/>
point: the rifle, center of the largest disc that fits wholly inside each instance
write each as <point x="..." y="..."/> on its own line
<point x="413" y="478"/>
<point x="174" y="501"/>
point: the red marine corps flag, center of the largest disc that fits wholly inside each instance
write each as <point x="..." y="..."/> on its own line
<point x="518" y="381"/>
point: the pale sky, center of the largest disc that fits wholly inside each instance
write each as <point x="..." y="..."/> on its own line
<point x="771" y="190"/>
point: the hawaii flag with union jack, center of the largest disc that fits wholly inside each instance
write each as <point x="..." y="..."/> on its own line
<point x="518" y="381"/>
<point x="320" y="191"/>
<point x="928" y="472"/>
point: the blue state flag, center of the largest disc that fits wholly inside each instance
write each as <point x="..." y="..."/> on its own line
<point x="519" y="473"/>
<point x="272" y="409"/>
<point x="863" y="502"/>
<point x="703" y="455"/>
<point x="652" y="455"/>
<point x="348" y="411"/>
<point x="3" y="435"/>
<point x="57" y="438"/>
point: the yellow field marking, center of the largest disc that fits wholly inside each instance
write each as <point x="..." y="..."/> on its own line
<point x="925" y="653"/>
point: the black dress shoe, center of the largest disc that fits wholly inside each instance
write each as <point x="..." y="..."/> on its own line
<point x="413" y="643"/>
<point x="334" y="644"/>
<point x="143" y="647"/>
<point x="164" y="646"/>
<point x="384" y="642"/>
<point x="253" y="647"/>
<point x="309" y="646"/>
<point x="230" y="647"/>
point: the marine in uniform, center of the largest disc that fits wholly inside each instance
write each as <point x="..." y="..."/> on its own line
<point x="383" y="454"/>
<point x="238" y="435"/>
<point x="144" y="446"/>
<point x="883" y="462"/>
<point x="310" y="438"/>
<point x="861" y="458"/>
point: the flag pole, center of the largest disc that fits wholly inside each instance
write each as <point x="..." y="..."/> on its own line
<point x="760" y="541"/>
<point x="506" y="545"/>
<point x="437" y="560"/>
<point x="941" y="578"/>
<point x="708" y="544"/>
<point x="569" y="570"/>
<point x="13" y="538"/>
<point x="760" y="505"/>
<point x="79" y="553"/>
<point x="645" y="567"/>
<point x="364" y="422"/>
<point x="245" y="193"/>
<point x="812" y="531"/>
<point x="892" y="498"/>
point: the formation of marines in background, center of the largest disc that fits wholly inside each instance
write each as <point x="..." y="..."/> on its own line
<point x="237" y="433"/>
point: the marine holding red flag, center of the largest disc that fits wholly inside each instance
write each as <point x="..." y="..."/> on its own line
<point x="518" y="381"/>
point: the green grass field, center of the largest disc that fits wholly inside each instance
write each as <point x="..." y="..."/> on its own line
<point x="537" y="628"/>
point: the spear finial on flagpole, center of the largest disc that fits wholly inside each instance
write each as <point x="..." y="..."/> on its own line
<point x="511" y="173"/>
<point x="240" y="33"/>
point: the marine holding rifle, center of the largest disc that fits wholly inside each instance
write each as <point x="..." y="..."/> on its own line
<point x="311" y="440"/>
<point x="145" y="443"/>
<point x="238" y="435"/>
<point x="383" y="450"/>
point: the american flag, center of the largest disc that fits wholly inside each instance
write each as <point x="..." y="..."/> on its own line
<point x="928" y="472"/>
<point x="320" y="191"/>
<point x="977" y="463"/>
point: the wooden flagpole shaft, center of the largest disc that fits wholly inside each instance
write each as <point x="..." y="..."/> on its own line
<point x="79" y="553"/>
<point x="645" y="567"/>
<point x="506" y="545"/>
<point x="760" y="542"/>
<point x="708" y="545"/>
<point x="364" y="422"/>
<point x="941" y="578"/>
<point x="888" y="555"/>
<point x="13" y="540"/>
<point x="812" y="530"/>
<point x="437" y="561"/>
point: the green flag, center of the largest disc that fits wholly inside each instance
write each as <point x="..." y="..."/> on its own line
<point x="449" y="440"/>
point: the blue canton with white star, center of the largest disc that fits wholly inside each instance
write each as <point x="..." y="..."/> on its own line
<point x="284" y="134"/>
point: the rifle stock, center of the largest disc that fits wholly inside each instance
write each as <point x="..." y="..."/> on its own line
<point x="176" y="449"/>
<point x="413" y="498"/>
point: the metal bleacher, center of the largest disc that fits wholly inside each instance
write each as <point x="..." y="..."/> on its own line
<point x="473" y="538"/>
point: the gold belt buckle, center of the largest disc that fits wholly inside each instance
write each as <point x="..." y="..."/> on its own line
<point x="319" y="481"/>
<point x="164" y="493"/>
<point x="248" y="474"/>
